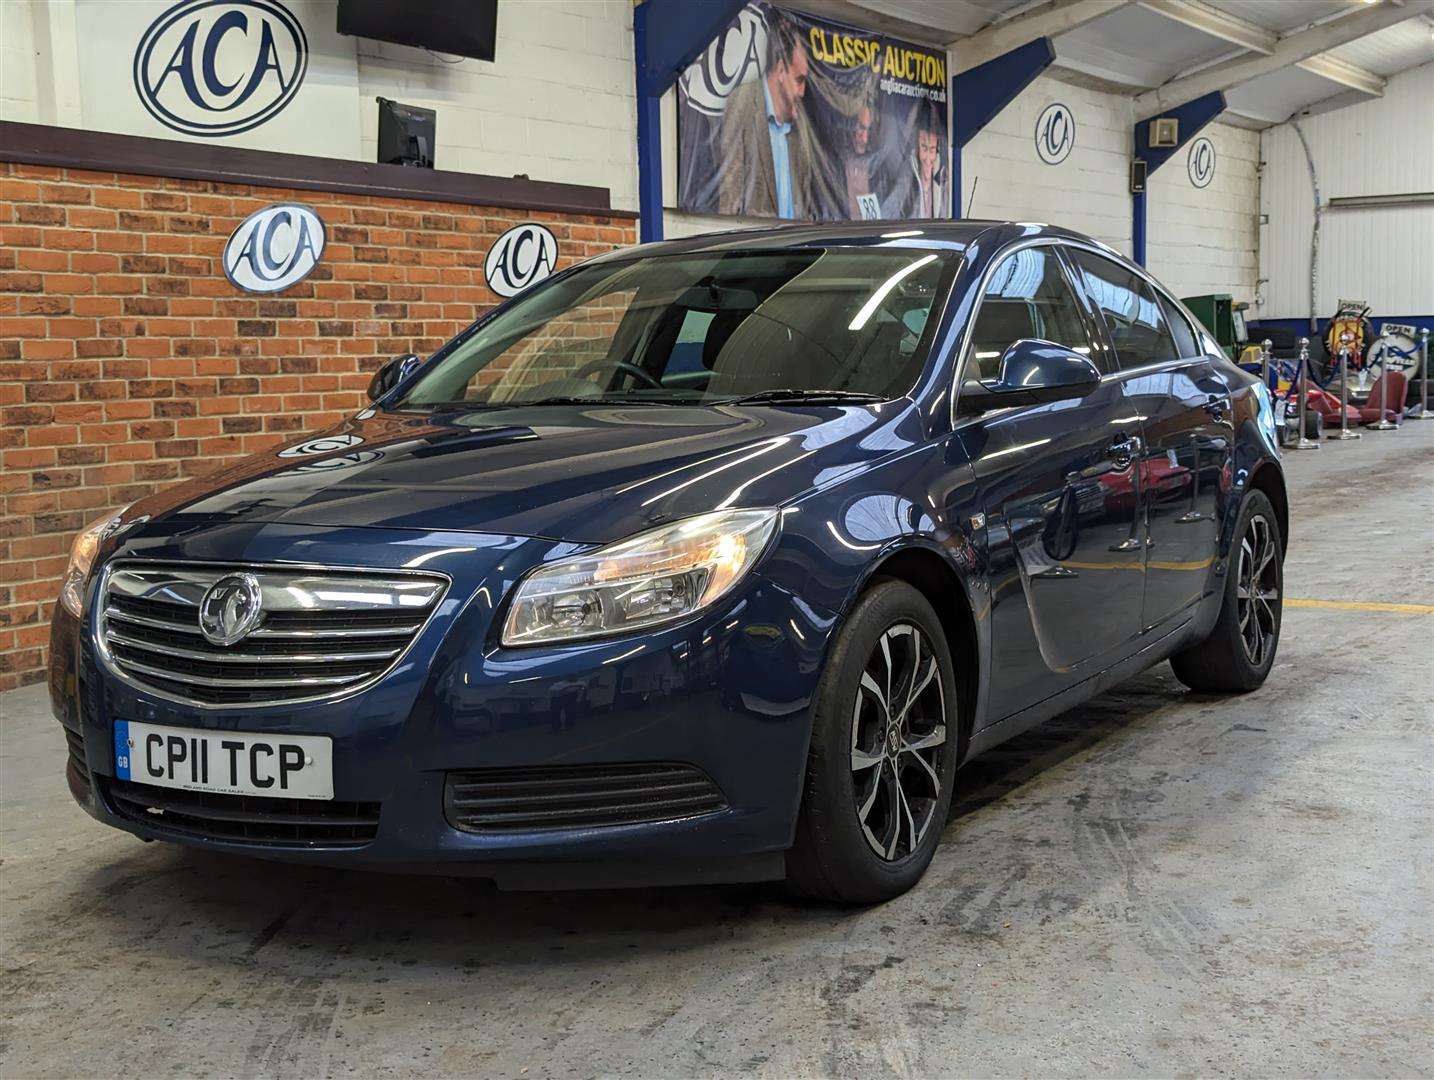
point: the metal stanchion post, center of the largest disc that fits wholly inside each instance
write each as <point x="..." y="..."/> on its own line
<point x="1384" y="424"/>
<point x="1424" y="375"/>
<point x="1266" y="350"/>
<point x="1343" y="432"/>
<point x="1301" y="386"/>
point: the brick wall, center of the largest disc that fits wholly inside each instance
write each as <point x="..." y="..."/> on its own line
<point x="128" y="361"/>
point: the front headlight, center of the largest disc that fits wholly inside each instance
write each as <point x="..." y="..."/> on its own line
<point x="652" y="578"/>
<point x="82" y="559"/>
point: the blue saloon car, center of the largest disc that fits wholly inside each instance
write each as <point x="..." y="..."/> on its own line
<point x="707" y="560"/>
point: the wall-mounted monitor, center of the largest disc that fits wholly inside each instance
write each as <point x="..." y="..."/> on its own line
<point x="405" y="134"/>
<point x="453" y="27"/>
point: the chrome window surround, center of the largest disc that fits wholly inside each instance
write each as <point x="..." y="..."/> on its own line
<point x="96" y="622"/>
<point x="1095" y="248"/>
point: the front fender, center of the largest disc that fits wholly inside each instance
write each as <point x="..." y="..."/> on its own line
<point x="913" y="516"/>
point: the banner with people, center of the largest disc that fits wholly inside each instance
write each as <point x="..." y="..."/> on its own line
<point x="790" y="116"/>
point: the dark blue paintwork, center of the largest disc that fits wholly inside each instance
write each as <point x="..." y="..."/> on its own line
<point x="1075" y="542"/>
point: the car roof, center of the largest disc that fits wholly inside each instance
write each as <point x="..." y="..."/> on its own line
<point x="952" y="234"/>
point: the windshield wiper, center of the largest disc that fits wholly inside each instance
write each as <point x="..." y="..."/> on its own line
<point x="443" y="405"/>
<point x="803" y="396"/>
<point x="517" y="403"/>
<point x="579" y="400"/>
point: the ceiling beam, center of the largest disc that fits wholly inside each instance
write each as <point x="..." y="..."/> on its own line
<point x="1045" y="20"/>
<point x="1331" y="67"/>
<point x="1289" y="51"/>
<point x="1211" y="20"/>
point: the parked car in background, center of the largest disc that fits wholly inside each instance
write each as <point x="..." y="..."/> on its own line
<point x="707" y="560"/>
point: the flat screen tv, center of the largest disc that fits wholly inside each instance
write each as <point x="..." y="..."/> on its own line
<point x="454" y="27"/>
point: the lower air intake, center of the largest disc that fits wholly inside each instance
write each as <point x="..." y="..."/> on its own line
<point x="577" y="796"/>
<point x="266" y="822"/>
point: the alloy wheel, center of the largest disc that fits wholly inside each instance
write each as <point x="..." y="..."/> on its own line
<point x="1257" y="589"/>
<point x="898" y="739"/>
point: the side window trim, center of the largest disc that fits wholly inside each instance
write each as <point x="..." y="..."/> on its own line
<point x="1063" y="268"/>
<point x="1144" y="280"/>
<point x="1174" y="310"/>
<point x="1096" y="331"/>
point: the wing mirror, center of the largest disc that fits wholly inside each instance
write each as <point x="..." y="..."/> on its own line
<point x="1032" y="373"/>
<point x="391" y="374"/>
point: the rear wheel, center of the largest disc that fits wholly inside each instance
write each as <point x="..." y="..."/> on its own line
<point x="883" y="753"/>
<point x="1240" y="650"/>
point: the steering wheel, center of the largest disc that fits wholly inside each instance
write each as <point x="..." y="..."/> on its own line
<point x="618" y="365"/>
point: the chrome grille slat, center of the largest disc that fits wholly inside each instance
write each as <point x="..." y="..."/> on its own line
<point x="362" y="632"/>
<point x="356" y="624"/>
<point x="209" y="680"/>
<point x="156" y="624"/>
<point x="233" y="656"/>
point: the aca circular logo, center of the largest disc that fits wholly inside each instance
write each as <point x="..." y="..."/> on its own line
<point x="274" y="248"/>
<point x="1201" y="162"/>
<point x="219" y="67"/>
<point x="522" y="256"/>
<point x="1055" y="134"/>
<point x="722" y="67"/>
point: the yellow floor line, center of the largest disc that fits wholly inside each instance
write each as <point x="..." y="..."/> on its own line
<point x="1362" y="605"/>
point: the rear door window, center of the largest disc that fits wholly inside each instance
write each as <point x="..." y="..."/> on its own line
<point x="1138" y="327"/>
<point x="1185" y="342"/>
<point x="1027" y="296"/>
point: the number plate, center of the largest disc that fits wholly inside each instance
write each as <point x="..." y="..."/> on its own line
<point x="225" y="762"/>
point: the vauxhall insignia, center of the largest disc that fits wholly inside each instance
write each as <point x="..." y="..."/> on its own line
<point x="231" y="609"/>
<point x="219" y="67"/>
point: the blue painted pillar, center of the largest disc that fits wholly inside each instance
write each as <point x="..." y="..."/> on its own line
<point x="667" y="36"/>
<point x="1193" y="116"/>
<point x="978" y="96"/>
<point x="1137" y="226"/>
<point x="649" y="140"/>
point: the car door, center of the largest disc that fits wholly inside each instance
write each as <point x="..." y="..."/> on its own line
<point x="1058" y="488"/>
<point x="1186" y="428"/>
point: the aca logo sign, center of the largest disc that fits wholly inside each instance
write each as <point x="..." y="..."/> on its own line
<point x="522" y="256"/>
<point x="219" y="67"/>
<point x="724" y="65"/>
<point x="1055" y="134"/>
<point x="274" y="247"/>
<point x="1201" y="162"/>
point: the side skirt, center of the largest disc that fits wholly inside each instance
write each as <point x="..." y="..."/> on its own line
<point x="1168" y="643"/>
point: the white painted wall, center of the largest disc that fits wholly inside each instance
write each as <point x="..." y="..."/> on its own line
<point x="1088" y="191"/>
<point x="1384" y="256"/>
<point x="1205" y="240"/>
<point x="558" y="104"/>
<point x="1197" y="240"/>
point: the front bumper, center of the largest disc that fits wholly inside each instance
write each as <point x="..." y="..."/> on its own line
<point x="728" y="692"/>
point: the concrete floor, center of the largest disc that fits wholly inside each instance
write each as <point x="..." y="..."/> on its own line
<point x="1159" y="883"/>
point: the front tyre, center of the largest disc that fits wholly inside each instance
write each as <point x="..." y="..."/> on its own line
<point x="1240" y="650"/>
<point x="883" y="753"/>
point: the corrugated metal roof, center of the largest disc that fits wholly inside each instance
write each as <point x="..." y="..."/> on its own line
<point x="1392" y="50"/>
<point x="1137" y="47"/>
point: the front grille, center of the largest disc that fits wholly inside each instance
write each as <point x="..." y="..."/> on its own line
<point x="247" y="819"/>
<point x="577" y="796"/>
<point x="322" y="632"/>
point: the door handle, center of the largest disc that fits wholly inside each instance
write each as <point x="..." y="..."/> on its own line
<point x="1122" y="452"/>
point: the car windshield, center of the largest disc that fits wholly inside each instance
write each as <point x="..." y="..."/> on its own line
<point x="805" y="323"/>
